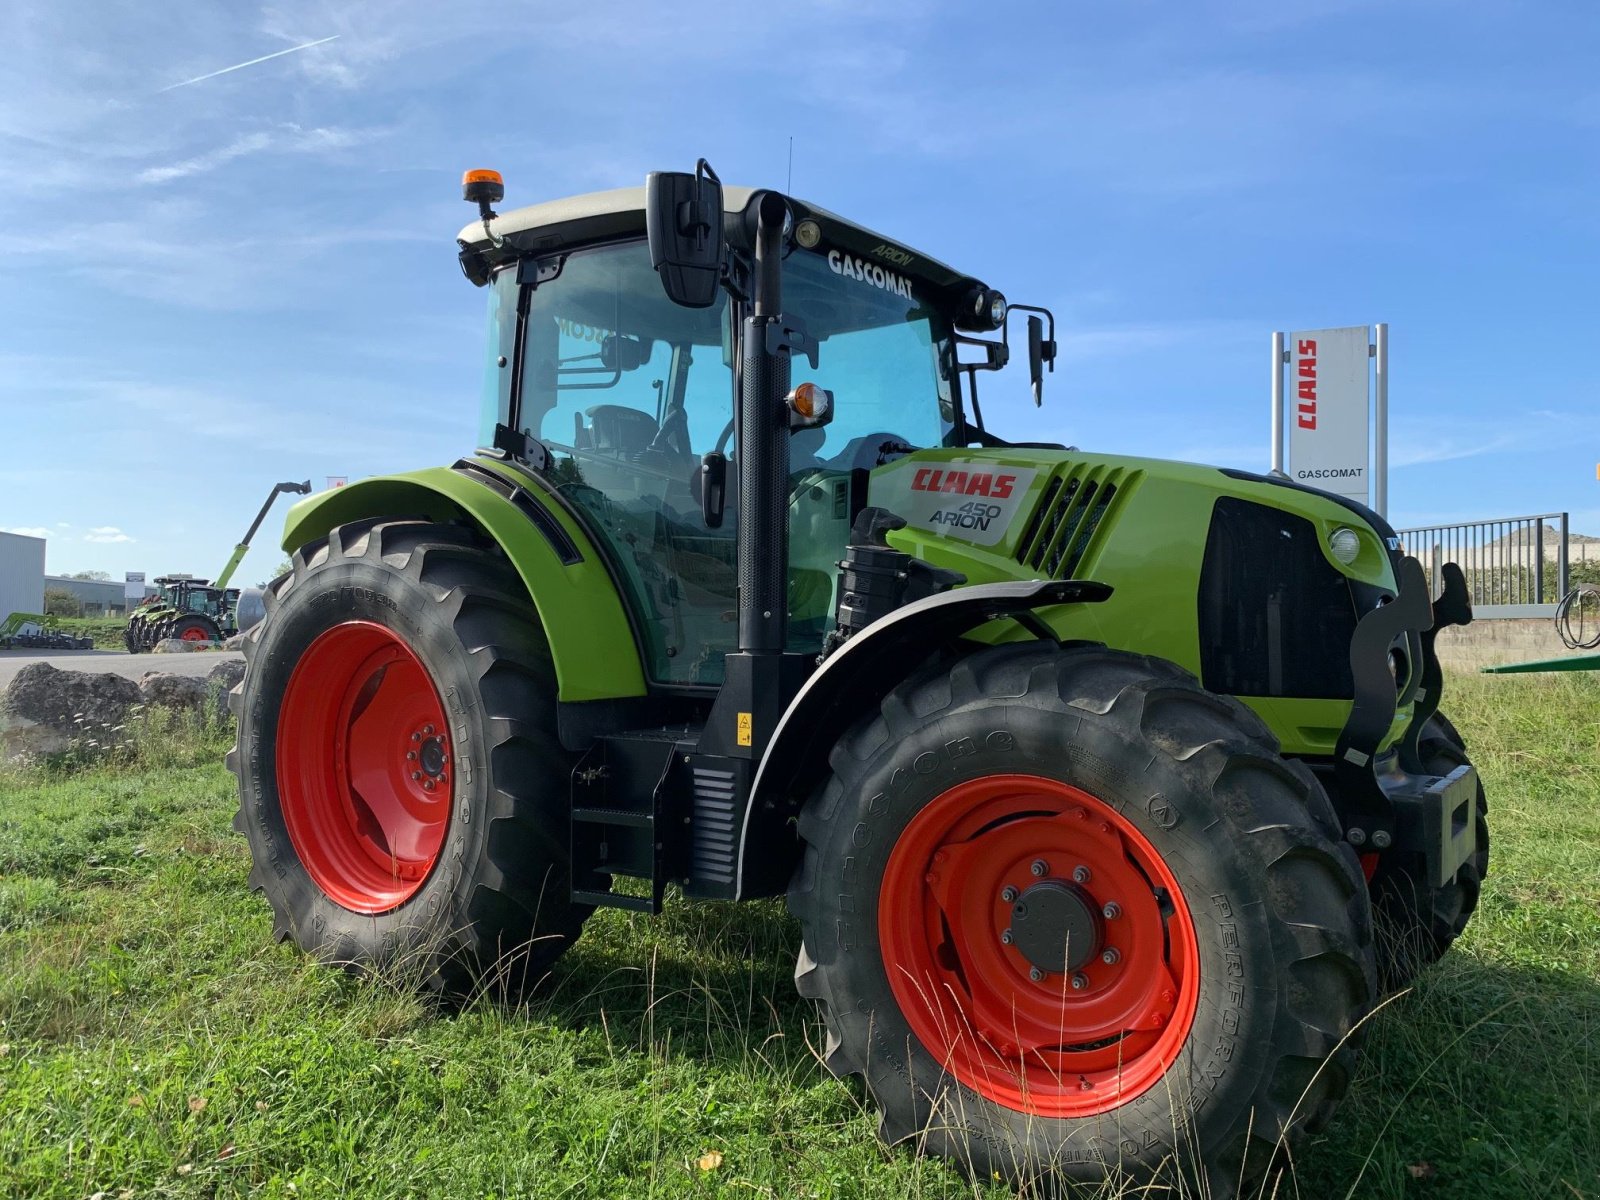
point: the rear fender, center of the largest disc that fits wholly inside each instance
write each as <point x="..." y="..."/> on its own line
<point x="591" y="642"/>
<point x="853" y="681"/>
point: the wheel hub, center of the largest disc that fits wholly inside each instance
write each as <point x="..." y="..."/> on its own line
<point x="1057" y="926"/>
<point x="432" y="756"/>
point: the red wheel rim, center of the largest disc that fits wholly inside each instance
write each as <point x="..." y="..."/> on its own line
<point x="1112" y="1017"/>
<point x="365" y="772"/>
<point x="195" y="634"/>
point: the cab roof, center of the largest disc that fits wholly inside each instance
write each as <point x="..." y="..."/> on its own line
<point x="559" y="225"/>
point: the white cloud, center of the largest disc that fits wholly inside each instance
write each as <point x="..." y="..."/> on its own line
<point x="28" y="531"/>
<point x="288" y="139"/>
<point x="250" y="143"/>
<point x="106" y="534"/>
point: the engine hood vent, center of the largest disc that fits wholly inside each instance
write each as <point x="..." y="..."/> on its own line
<point x="1073" y="518"/>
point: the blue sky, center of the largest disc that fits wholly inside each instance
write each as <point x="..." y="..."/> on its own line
<point x="209" y="287"/>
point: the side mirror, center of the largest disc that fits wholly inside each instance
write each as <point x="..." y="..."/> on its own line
<point x="711" y="481"/>
<point x="1036" y="359"/>
<point x="619" y="352"/>
<point x="683" y="219"/>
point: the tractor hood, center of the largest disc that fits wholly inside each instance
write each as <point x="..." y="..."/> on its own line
<point x="1053" y="511"/>
<point x="1231" y="575"/>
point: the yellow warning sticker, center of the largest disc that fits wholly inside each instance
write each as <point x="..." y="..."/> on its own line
<point x="743" y="736"/>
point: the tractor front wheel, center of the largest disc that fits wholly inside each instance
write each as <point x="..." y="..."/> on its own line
<point x="400" y="780"/>
<point x="1070" y="917"/>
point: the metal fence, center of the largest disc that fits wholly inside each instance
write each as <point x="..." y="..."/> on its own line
<point x="1514" y="566"/>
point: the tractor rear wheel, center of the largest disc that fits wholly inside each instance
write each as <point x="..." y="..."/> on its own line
<point x="1070" y="916"/>
<point x="400" y="780"/>
<point x="1417" y="921"/>
<point x="194" y="628"/>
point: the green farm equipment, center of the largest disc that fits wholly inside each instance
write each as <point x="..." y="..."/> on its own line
<point x="1109" y="793"/>
<point x="197" y="610"/>
<point x="35" y="631"/>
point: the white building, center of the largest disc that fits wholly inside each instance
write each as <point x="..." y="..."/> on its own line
<point x="21" y="574"/>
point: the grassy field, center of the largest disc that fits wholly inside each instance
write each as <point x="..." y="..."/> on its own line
<point x="106" y="631"/>
<point x="154" y="1042"/>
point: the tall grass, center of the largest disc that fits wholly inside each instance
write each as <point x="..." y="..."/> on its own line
<point x="154" y="1041"/>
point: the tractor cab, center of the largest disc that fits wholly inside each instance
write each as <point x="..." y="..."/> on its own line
<point x="634" y="398"/>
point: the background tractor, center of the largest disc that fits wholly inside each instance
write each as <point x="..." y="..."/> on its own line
<point x="1086" y="777"/>
<point x="198" y="610"/>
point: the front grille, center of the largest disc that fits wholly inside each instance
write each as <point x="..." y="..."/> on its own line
<point x="1275" y="616"/>
<point x="1067" y="526"/>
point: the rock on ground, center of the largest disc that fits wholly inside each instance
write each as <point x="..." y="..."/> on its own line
<point x="179" y="646"/>
<point x="182" y="692"/>
<point x="224" y="677"/>
<point x="45" y="710"/>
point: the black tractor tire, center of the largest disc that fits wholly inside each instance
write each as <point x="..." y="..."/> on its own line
<point x="494" y="908"/>
<point x="1417" y="921"/>
<point x="193" y="623"/>
<point x="133" y="636"/>
<point x="1279" y="908"/>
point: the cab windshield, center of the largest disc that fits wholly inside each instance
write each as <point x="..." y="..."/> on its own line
<point x="628" y="390"/>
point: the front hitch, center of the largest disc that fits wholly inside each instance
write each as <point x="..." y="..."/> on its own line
<point x="1390" y="801"/>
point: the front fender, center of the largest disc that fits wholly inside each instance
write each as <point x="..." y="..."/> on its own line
<point x="853" y="681"/>
<point x="591" y="642"/>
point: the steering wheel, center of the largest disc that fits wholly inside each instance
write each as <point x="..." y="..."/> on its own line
<point x="722" y="438"/>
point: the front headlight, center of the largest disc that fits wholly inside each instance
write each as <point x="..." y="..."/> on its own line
<point x="1344" y="544"/>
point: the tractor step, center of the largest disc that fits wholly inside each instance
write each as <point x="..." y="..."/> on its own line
<point x="646" y="805"/>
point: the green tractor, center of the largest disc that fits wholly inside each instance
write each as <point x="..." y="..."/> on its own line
<point x="1109" y="793"/>
<point x="191" y="610"/>
<point x="197" y="610"/>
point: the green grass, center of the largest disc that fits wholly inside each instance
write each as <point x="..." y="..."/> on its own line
<point x="154" y="1041"/>
<point x="106" y="631"/>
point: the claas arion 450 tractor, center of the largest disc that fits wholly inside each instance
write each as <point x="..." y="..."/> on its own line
<point x="1109" y="793"/>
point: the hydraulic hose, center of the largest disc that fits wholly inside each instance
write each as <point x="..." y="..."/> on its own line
<point x="1579" y="638"/>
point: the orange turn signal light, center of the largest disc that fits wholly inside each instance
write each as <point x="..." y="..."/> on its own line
<point x="810" y="401"/>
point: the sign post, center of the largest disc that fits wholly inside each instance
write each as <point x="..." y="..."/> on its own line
<point x="1329" y="411"/>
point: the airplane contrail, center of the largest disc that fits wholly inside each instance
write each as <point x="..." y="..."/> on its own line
<point x="251" y="63"/>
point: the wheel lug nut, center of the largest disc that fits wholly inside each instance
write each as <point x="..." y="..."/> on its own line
<point x="1008" y="894"/>
<point x="411" y="756"/>
<point x="416" y="737"/>
<point x="427" y="729"/>
<point x="416" y="775"/>
<point x="1112" y="910"/>
<point x="1005" y="937"/>
<point x="1080" y="874"/>
<point x="429" y="784"/>
<point x="1167" y="996"/>
<point x="1039" y="866"/>
<point x="1110" y="956"/>
<point x="1035" y="974"/>
<point x="1079" y="981"/>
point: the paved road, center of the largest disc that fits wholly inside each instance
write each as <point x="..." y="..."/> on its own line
<point x="116" y="662"/>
